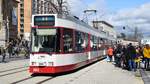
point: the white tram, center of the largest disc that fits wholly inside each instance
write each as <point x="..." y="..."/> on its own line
<point x="61" y="44"/>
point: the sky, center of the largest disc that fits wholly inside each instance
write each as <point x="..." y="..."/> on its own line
<point x="129" y="13"/>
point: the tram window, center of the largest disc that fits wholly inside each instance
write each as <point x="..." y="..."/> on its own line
<point x="101" y="44"/>
<point x="86" y="41"/>
<point x="46" y="42"/>
<point x="68" y="40"/>
<point x="94" y="43"/>
<point x="35" y="39"/>
<point x="80" y="42"/>
<point x="58" y="36"/>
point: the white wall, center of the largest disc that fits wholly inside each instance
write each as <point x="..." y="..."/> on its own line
<point x="109" y="30"/>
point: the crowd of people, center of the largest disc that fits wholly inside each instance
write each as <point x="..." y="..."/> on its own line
<point x="130" y="57"/>
<point x="13" y="48"/>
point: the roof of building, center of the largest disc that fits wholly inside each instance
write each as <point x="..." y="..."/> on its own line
<point x="104" y="22"/>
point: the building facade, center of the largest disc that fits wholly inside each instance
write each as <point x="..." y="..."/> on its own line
<point x="106" y="28"/>
<point x="44" y="6"/>
<point x="24" y="23"/>
<point x="145" y="40"/>
<point x="29" y="7"/>
<point x="8" y="20"/>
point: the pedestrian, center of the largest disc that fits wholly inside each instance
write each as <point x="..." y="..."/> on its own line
<point x="146" y="53"/>
<point x="124" y="62"/>
<point x="131" y="55"/>
<point x="27" y="49"/>
<point x="10" y="49"/>
<point x="110" y="53"/>
<point x="138" y="57"/>
<point x="117" y="55"/>
<point x="3" y="53"/>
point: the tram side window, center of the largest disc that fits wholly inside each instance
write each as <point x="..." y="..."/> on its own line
<point x="101" y="44"/>
<point x="86" y="41"/>
<point x="80" y="43"/>
<point x="58" y="36"/>
<point x="106" y="43"/>
<point x="68" y="40"/>
<point x="94" y="43"/>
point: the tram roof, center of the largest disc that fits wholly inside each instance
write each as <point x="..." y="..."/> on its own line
<point x="72" y="22"/>
<point x="79" y="25"/>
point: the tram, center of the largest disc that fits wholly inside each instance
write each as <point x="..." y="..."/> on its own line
<point x="64" y="43"/>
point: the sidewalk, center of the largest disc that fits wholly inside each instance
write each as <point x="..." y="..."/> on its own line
<point x="13" y="58"/>
<point x="145" y="76"/>
<point x="102" y="72"/>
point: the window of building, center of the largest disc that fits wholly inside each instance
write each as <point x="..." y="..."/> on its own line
<point x="22" y="30"/>
<point x="21" y="26"/>
<point x="22" y="15"/>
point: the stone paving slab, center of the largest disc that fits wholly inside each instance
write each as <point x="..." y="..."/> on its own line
<point x="101" y="72"/>
<point x="145" y="76"/>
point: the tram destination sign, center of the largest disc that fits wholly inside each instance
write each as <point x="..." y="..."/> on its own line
<point x="44" y="20"/>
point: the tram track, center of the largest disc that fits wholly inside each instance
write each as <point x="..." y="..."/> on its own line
<point x="13" y="72"/>
<point x="45" y="80"/>
<point x="27" y="78"/>
<point x="12" y="69"/>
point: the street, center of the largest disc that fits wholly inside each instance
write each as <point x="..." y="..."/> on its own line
<point x="101" y="72"/>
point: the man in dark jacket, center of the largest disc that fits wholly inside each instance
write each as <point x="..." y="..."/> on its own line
<point x="117" y="55"/>
<point x="131" y="55"/>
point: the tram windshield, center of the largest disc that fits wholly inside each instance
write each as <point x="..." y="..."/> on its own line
<point x="44" y="40"/>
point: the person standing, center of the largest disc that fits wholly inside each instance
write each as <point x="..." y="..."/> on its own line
<point x="117" y="55"/>
<point x="146" y="53"/>
<point x="10" y="49"/>
<point x="131" y="55"/>
<point x="110" y="53"/>
<point x="3" y="53"/>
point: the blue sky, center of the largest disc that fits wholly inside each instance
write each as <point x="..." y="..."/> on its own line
<point x="124" y="4"/>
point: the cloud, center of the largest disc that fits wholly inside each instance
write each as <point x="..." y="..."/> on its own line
<point x="133" y="17"/>
<point x="78" y="6"/>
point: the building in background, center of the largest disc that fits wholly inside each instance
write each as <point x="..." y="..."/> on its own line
<point x="2" y="29"/>
<point x="46" y="6"/>
<point x="126" y="42"/>
<point x="145" y="40"/>
<point x="24" y="23"/>
<point x="27" y="8"/>
<point x="105" y="28"/>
